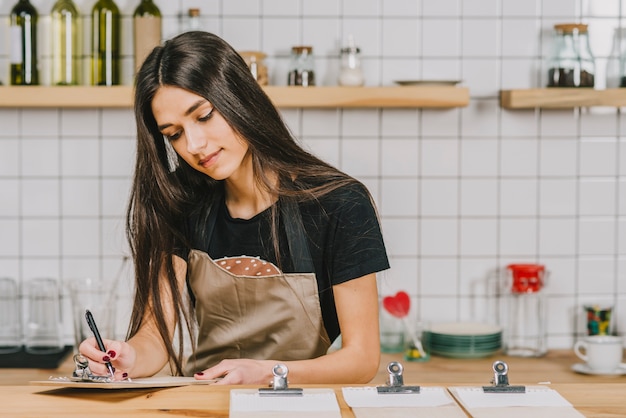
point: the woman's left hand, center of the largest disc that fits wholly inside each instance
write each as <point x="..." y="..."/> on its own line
<point x="240" y="372"/>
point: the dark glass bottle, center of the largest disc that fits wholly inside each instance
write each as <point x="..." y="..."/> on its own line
<point x="105" y="51"/>
<point x="23" y="36"/>
<point x="65" y="43"/>
<point x="147" y="30"/>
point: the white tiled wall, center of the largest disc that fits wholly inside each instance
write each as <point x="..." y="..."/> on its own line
<point x="461" y="192"/>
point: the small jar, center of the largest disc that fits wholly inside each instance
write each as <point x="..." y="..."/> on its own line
<point x="256" y="64"/>
<point x="193" y="20"/>
<point x="351" y="74"/>
<point x="302" y="67"/>
<point x="572" y="63"/>
<point x="620" y="49"/>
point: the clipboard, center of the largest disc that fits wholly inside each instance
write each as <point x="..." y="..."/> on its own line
<point x="143" y="383"/>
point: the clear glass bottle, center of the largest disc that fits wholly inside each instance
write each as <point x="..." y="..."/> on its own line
<point x="350" y="73"/>
<point x="105" y="51"/>
<point x="65" y="21"/>
<point x="525" y="326"/>
<point x="146" y="30"/>
<point x="23" y="52"/>
<point x="302" y="67"/>
<point x="572" y="63"/>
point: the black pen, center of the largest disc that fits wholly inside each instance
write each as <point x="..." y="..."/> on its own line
<point x="96" y="333"/>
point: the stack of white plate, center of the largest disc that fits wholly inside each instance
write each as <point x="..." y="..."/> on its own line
<point x="463" y="339"/>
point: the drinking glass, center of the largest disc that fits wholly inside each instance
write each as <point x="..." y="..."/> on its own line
<point x="43" y="328"/>
<point x="10" y="318"/>
<point x="95" y="295"/>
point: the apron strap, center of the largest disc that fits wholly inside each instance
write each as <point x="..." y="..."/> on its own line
<point x="296" y="237"/>
<point x="294" y="228"/>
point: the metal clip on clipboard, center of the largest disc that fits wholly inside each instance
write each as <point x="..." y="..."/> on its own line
<point x="82" y="373"/>
<point x="395" y="382"/>
<point x="279" y="384"/>
<point x="501" y="381"/>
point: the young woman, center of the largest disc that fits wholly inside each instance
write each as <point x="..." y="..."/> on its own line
<point x="242" y="240"/>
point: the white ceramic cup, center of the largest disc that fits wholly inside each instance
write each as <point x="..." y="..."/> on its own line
<point x="602" y="353"/>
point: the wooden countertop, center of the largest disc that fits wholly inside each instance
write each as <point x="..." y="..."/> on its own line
<point x="601" y="400"/>
<point x="555" y="367"/>
<point x="593" y="396"/>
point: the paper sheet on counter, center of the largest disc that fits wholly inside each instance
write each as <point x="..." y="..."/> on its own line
<point x="537" y="401"/>
<point x="314" y="403"/>
<point x="431" y="402"/>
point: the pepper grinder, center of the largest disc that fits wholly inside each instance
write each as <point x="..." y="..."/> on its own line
<point x="351" y="74"/>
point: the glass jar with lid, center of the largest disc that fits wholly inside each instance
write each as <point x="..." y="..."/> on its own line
<point x="619" y="44"/>
<point x="351" y="74"/>
<point x="256" y="63"/>
<point x="572" y="63"/>
<point x="302" y="67"/>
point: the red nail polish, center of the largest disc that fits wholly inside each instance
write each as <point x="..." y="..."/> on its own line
<point x="200" y="374"/>
<point x="111" y="353"/>
<point x="106" y="359"/>
<point x="124" y="375"/>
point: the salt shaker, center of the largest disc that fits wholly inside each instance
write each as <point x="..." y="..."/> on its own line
<point x="351" y="74"/>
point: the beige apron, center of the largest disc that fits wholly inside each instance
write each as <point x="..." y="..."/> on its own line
<point x="275" y="317"/>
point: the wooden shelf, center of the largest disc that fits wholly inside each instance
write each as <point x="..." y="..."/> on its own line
<point x="282" y="96"/>
<point x="353" y="97"/>
<point x="561" y="98"/>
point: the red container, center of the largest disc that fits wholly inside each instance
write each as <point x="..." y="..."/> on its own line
<point x="526" y="278"/>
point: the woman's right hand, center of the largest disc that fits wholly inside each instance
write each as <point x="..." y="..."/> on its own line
<point x="120" y="354"/>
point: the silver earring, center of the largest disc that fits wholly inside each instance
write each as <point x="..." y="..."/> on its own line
<point x="172" y="157"/>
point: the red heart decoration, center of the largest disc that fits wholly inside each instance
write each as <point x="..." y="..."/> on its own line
<point x="397" y="305"/>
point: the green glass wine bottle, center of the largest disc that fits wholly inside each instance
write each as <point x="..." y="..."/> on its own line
<point x="65" y="43"/>
<point x="105" y="52"/>
<point x="147" y="30"/>
<point x="23" y="55"/>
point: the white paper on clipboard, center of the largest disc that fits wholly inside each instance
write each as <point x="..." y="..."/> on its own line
<point x="536" y="402"/>
<point x="314" y="403"/>
<point x="431" y="402"/>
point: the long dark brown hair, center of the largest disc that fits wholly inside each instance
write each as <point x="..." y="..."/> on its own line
<point x="206" y="65"/>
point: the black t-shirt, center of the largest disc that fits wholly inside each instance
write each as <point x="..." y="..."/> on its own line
<point x="343" y="235"/>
